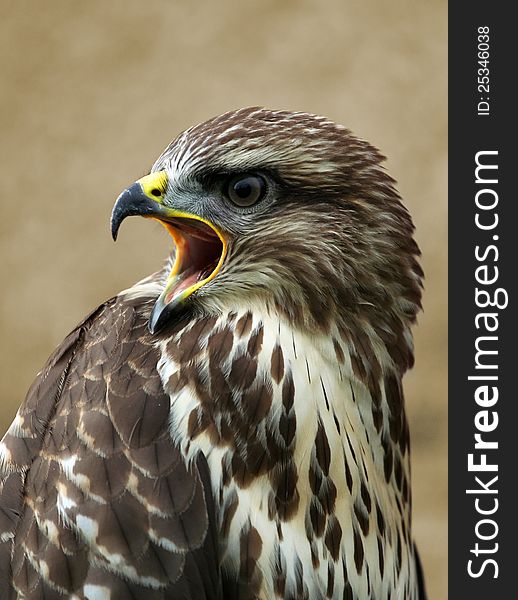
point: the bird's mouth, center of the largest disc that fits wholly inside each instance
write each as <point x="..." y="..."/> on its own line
<point x="200" y="251"/>
<point x="200" y="246"/>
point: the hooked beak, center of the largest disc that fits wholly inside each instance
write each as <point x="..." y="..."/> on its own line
<point x="200" y="246"/>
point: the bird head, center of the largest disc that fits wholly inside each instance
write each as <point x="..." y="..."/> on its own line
<point x="285" y="209"/>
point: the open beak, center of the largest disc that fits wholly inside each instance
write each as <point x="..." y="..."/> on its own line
<point x="200" y="246"/>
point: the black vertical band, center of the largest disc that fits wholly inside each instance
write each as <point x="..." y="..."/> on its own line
<point x="483" y="271"/>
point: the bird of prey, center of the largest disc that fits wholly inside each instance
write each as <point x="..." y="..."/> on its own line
<point x="232" y="427"/>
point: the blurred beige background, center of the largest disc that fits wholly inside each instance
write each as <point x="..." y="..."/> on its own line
<point x="90" y="94"/>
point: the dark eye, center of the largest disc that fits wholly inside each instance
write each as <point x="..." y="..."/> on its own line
<point x="246" y="190"/>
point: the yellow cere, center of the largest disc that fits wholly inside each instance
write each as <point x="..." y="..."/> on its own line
<point x="152" y="182"/>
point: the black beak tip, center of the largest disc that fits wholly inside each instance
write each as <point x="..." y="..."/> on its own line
<point x="158" y="317"/>
<point x="119" y="213"/>
<point x="163" y="315"/>
<point x="114" y="229"/>
<point x="132" y="202"/>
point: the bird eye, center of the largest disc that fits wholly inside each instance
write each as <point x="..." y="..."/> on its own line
<point x="246" y="190"/>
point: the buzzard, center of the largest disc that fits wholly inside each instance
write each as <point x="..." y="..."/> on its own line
<point x="233" y="426"/>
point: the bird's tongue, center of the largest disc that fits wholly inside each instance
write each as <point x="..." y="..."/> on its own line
<point x="183" y="281"/>
<point x="198" y="251"/>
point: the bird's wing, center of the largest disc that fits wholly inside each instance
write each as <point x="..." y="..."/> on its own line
<point x="93" y="492"/>
<point x="420" y="577"/>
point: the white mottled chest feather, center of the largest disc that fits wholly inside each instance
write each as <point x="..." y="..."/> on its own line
<point x="324" y="516"/>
